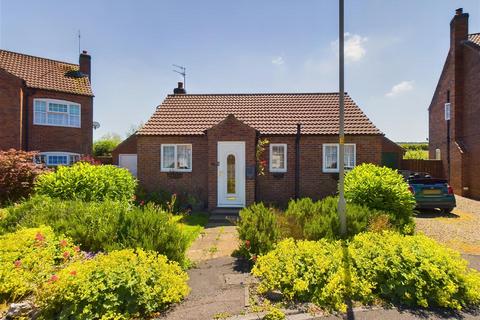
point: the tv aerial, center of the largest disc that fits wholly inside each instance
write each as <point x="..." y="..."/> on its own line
<point x="183" y="72"/>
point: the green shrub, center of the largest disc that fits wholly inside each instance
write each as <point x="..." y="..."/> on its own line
<point x="383" y="189"/>
<point x="28" y="258"/>
<point x="416" y="154"/>
<point x="17" y="174"/>
<point x="274" y="314"/>
<point x="87" y="182"/>
<point x="102" y="226"/>
<point x="120" y="285"/>
<point x="409" y="270"/>
<point x="105" y="145"/>
<point x="318" y="220"/>
<point x="258" y="229"/>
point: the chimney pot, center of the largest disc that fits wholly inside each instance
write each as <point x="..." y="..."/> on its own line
<point x="459" y="11"/>
<point x="179" y="89"/>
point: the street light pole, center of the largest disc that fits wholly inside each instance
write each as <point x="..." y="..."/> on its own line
<point x="341" y="149"/>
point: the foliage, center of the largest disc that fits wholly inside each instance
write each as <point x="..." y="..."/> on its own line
<point x="103" y="226"/>
<point x="416" y="154"/>
<point x="89" y="159"/>
<point x="274" y="314"/>
<point x="175" y="202"/>
<point x="414" y="146"/>
<point x="258" y="229"/>
<point x="87" y="182"/>
<point x="17" y="174"/>
<point x="411" y="270"/>
<point x="317" y="220"/>
<point x="383" y="189"/>
<point x="259" y="151"/>
<point x="105" y="145"/>
<point x="28" y="258"/>
<point x="121" y="285"/>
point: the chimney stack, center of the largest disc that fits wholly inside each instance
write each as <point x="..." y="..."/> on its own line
<point x="179" y="89"/>
<point x="458" y="28"/>
<point x="85" y="64"/>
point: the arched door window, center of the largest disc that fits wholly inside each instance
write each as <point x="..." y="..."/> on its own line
<point x="231" y="174"/>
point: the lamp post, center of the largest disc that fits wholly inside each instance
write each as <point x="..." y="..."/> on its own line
<point x="341" y="146"/>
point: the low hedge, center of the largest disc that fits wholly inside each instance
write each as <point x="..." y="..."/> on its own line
<point x="408" y="270"/>
<point x="120" y="285"/>
<point x="87" y="182"/>
<point x="102" y="226"/>
<point x="28" y="258"/>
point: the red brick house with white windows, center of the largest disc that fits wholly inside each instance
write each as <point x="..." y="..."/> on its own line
<point x="205" y="145"/>
<point x="456" y="142"/>
<point x="46" y="105"/>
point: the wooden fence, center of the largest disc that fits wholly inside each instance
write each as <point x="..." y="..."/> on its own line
<point x="434" y="167"/>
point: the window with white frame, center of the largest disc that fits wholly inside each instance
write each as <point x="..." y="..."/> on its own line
<point x="57" y="158"/>
<point x="176" y="157"/>
<point x="52" y="112"/>
<point x="278" y="157"/>
<point x="331" y="156"/>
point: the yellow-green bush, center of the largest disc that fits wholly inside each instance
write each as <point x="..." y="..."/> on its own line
<point x="384" y="189"/>
<point x="28" y="258"/>
<point x="408" y="270"/>
<point x="87" y="182"/>
<point x="120" y="285"/>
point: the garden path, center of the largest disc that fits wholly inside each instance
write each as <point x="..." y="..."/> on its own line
<point x="218" y="285"/>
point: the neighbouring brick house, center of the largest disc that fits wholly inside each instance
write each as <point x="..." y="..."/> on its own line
<point x="46" y="106"/>
<point x="456" y="141"/>
<point x="205" y="145"/>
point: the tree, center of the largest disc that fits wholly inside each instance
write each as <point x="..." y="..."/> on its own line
<point x="105" y="145"/>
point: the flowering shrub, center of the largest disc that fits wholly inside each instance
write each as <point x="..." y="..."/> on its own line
<point x="384" y="189"/>
<point x="410" y="270"/>
<point x="17" y="174"/>
<point x="120" y="285"/>
<point x="29" y="257"/>
<point x="87" y="182"/>
<point x="102" y="226"/>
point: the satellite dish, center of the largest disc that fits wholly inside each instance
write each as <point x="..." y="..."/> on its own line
<point x="96" y="125"/>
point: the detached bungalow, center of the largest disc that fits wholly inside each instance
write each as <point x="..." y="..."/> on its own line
<point x="209" y="146"/>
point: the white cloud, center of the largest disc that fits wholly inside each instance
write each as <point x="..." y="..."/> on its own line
<point x="354" y="47"/>
<point x="400" y="88"/>
<point x="278" y="61"/>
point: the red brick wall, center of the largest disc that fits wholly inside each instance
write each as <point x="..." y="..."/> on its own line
<point x="461" y="75"/>
<point x="277" y="188"/>
<point x="152" y="179"/>
<point x="10" y="111"/>
<point x="230" y="129"/>
<point x="127" y="146"/>
<point x="53" y="138"/>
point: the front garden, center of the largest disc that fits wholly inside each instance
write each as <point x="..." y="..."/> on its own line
<point x="300" y="254"/>
<point x="78" y="242"/>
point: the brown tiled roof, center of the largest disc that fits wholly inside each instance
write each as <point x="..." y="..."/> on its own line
<point x="192" y="114"/>
<point x="44" y="73"/>
<point x="475" y="38"/>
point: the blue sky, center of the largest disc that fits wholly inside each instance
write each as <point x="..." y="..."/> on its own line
<point x="395" y="51"/>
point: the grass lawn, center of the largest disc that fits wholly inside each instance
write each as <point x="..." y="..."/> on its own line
<point x="192" y="224"/>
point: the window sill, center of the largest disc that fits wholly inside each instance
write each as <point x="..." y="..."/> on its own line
<point x="55" y="125"/>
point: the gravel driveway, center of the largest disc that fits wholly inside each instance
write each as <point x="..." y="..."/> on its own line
<point x="459" y="230"/>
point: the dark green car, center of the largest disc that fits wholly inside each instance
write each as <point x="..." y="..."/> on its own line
<point x="430" y="193"/>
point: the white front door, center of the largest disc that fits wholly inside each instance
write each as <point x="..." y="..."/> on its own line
<point x="128" y="161"/>
<point x="231" y="174"/>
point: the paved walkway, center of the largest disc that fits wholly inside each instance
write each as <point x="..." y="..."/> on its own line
<point x="218" y="287"/>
